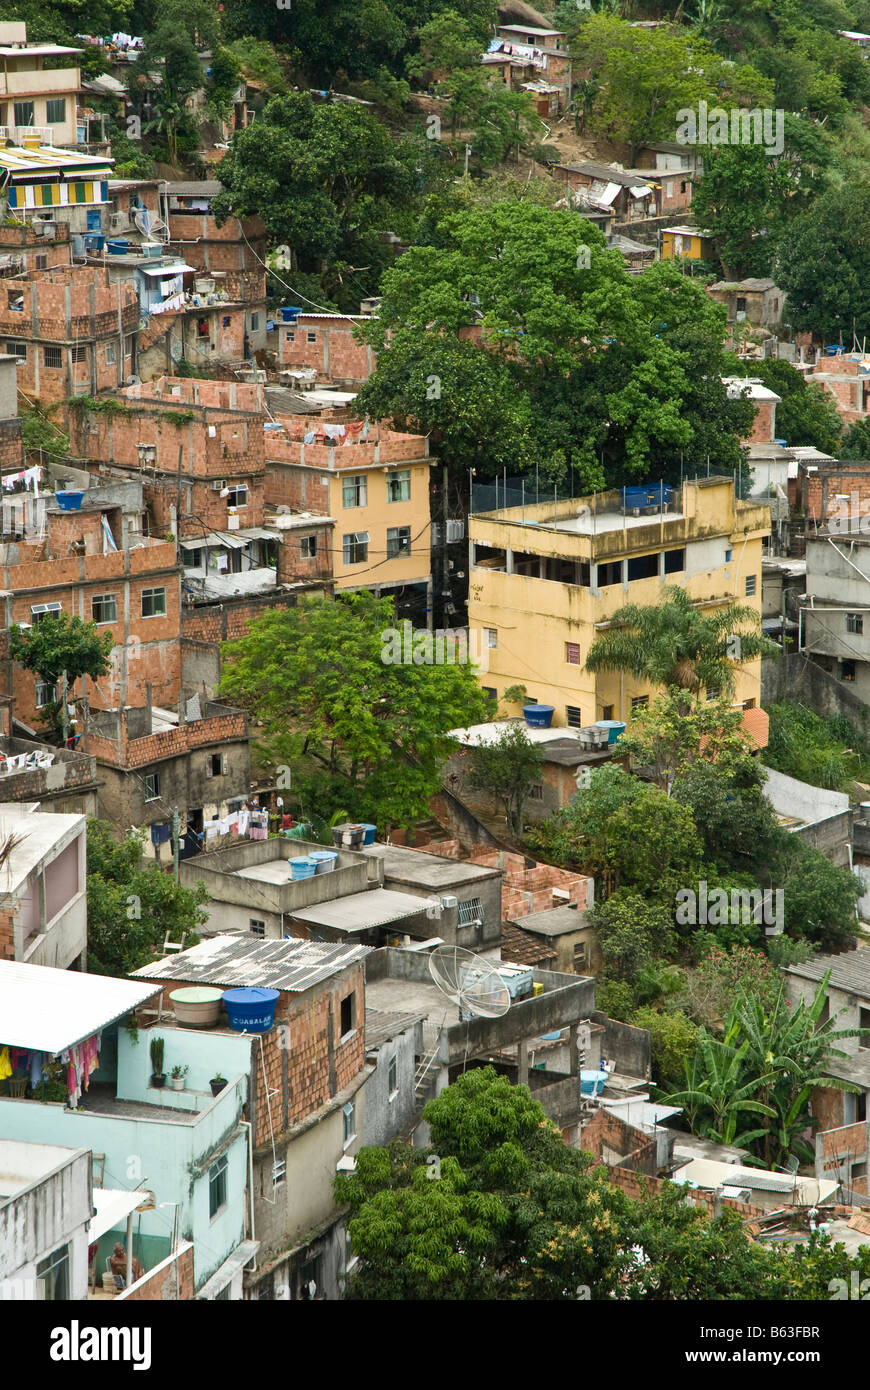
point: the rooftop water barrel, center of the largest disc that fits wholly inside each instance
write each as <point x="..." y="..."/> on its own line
<point x="117" y="247"/>
<point x="325" y="860"/>
<point x="539" y="716"/>
<point x="370" y="832"/>
<point x="592" y="1082"/>
<point x="302" y="866"/>
<point x="614" y="728"/>
<point x="197" y="1006"/>
<point x="251" y="1010"/>
<point x="94" y="241"/>
<point x="290" y="312"/>
<point x="349" y="836"/>
<point x="69" y="501"/>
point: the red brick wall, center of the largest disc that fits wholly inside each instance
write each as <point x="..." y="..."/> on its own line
<point x="174" y="1281"/>
<point x="819" y="488"/>
<point x="297" y="487"/>
<point x="7" y="933"/>
<point x="608" y="1132"/>
<point x="638" y="1184"/>
<point x="763" y="426"/>
<point x="335" y="352"/>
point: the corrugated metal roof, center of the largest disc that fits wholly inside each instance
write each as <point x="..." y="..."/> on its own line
<point x="233" y="961"/>
<point x="849" y="971"/>
<point x="374" y="907"/>
<point x="381" y="1026"/>
<point x="48" y="1010"/>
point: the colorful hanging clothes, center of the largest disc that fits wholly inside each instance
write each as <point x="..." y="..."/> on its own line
<point x="5" y="1064"/>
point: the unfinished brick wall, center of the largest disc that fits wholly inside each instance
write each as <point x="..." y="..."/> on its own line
<point x="11" y="446"/>
<point x="172" y="1280"/>
<point x="327" y="343"/>
<point x="529" y="890"/>
<point x="127" y="752"/>
<point x="225" y="622"/>
<point x="611" y="1138"/>
<point x="819" y="487"/>
<point x="844" y="379"/>
<point x="7" y="933"/>
<point x="638" y="1185"/>
<point x="302" y="488"/>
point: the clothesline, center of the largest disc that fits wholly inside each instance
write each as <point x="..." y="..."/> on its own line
<point x="81" y="1062"/>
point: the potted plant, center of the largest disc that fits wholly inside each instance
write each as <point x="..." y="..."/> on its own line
<point x="158" y="1076"/>
<point x="178" y="1074"/>
<point x="217" y="1083"/>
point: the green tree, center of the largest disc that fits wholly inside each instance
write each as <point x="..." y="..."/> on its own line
<point x="648" y="76"/>
<point x="337" y="704"/>
<point x="675" y="732"/>
<point x="508" y="769"/>
<point x="499" y="121"/>
<point x="737" y="823"/>
<point x="131" y="907"/>
<point x="819" y="899"/>
<point x="673" y="644"/>
<point x="673" y="1042"/>
<point x="720" y="1090"/>
<point x="823" y="265"/>
<point x="325" y="178"/>
<point x="61" y="644"/>
<point x="447" y="42"/>
<point x="856" y="442"/>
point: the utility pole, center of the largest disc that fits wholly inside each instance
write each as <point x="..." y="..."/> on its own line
<point x="175" y="845"/>
<point x="64" y="710"/>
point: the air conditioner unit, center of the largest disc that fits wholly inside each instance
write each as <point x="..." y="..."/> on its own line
<point x="218" y="485"/>
<point x="119" y="222"/>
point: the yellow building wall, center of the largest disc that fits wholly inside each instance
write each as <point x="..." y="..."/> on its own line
<point x="694" y="247"/>
<point x="376" y="517"/>
<point x="536" y="618"/>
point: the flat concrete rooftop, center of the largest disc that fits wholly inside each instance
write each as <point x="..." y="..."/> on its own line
<point x="428" y="870"/>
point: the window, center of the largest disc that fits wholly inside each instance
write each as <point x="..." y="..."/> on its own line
<point x="79" y="354"/>
<point x="128" y="345"/>
<point x="217" y="1187"/>
<point x="713" y="692"/>
<point x="41" y="261"/>
<point x="741" y="304"/>
<point x="640" y="702"/>
<point x="610" y="573"/>
<point x="255" y="322"/>
<point x="256" y="926"/>
<point x="52" y="357"/>
<point x="15" y="348"/>
<point x="728" y="553"/>
<point x="289" y="336"/>
<point x="573" y="716"/>
<point x="215" y="764"/>
<point x="46" y="693"/>
<point x="24" y="113"/>
<point x="237" y="495"/>
<point x="607" y="711"/>
<point x="52" y="1277"/>
<point x="572" y="653"/>
<point x="353" y="490"/>
<point x="393" y="1076"/>
<point x="399" y="485"/>
<point x="675" y="560"/>
<point x="349" y="1125"/>
<point x="355" y="547"/>
<point x="855" y="622"/>
<point x="471" y="913"/>
<point x="682" y="185"/>
<point x="153" y="603"/>
<point x="847" y="670"/>
<point x="490" y="637"/>
<point x="491" y="691"/>
<point x="311" y="337"/>
<point x="308" y="547"/>
<point x="580" y="955"/>
<point x="536" y="791"/>
<point x="750" y="585"/>
<point x="110" y="354"/>
<point x="152" y="786"/>
<point x="348" y="1014"/>
<point x="398" y="541"/>
<point x="104" y="608"/>
<point x="864" y="1022"/>
<point x="643" y="567"/>
<point x="202" y="328"/>
<point x="55" y="111"/>
<point x="39" y="611"/>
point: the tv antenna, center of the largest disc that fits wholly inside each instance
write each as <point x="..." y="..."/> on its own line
<point x="471" y="981"/>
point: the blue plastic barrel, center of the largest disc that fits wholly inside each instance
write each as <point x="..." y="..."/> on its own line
<point x="324" y="860"/>
<point x="614" y="728"/>
<point x="591" y="1082"/>
<point x="371" y="831"/>
<point x="290" y="312"/>
<point x="251" y="1010"/>
<point x="69" y="501"/>
<point x="117" y="247"/>
<point x="302" y="866"/>
<point x="539" y="716"/>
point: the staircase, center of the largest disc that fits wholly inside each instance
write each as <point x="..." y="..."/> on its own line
<point x="424" y="1076"/>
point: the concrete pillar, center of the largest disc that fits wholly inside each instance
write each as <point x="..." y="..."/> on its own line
<point x="509" y="561"/>
<point x="522" y="1063"/>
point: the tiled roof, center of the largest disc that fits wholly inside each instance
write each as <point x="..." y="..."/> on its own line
<point x="520" y="948"/>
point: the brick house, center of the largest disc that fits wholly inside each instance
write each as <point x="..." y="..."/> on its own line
<point x="760" y="302"/>
<point x="27" y="247"/>
<point x="327" y="343"/>
<point x="72" y="330"/>
<point x="626" y="193"/>
<point x="846" y="376"/>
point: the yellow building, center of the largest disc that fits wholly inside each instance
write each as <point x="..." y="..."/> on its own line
<point x="545" y="580"/>
<point x="35" y="89"/>
<point x="685" y="242"/>
<point x="374" y="484"/>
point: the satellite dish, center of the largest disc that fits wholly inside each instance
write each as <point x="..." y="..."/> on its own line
<point x="470" y="981"/>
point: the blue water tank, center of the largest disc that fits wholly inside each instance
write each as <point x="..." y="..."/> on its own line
<point x="117" y="247"/>
<point x="539" y="716"/>
<point x="649" y="495"/>
<point x="69" y="501"/>
<point x="614" y="728"/>
<point x="251" y="1010"/>
<point x="291" y="312"/>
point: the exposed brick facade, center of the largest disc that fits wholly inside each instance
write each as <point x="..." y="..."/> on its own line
<point x="327" y="343"/>
<point x="171" y="1280"/>
<point x="523" y="890"/>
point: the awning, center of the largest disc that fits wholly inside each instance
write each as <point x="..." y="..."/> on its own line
<point x="642" y="190"/>
<point x="113" y="1206"/>
<point x="166" y="272"/>
<point x="236" y="540"/>
<point x="193" y="545"/>
<point x="47" y="1010"/>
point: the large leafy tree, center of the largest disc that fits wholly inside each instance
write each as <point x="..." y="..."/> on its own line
<point x="746" y="196"/>
<point x="325" y="178"/>
<point x="131" y="906"/>
<point x="824" y="265"/>
<point x="59" y="645"/>
<point x="647" y="76"/>
<point x="508" y="769"/>
<point x="360" y="732"/>
<point x="674" y="644"/>
<point x="607" y="375"/>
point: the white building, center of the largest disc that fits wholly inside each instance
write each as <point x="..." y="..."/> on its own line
<point x="43" y="901"/>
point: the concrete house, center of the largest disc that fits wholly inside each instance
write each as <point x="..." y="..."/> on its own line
<point x="759" y="302"/>
<point x="45" y="1212"/>
<point x="469" y="895"/>
<point x="544" y="578"/>
<point x="43" y="907"/>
